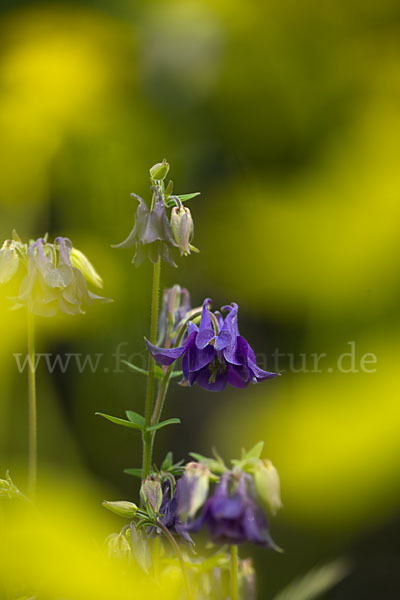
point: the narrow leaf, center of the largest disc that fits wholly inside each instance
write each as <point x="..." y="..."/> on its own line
<point x="186" y="197"/>
<point x="255" y="452"/>
<point x="167" y="462"/>
<point x="122" y="422"/>
<point x="135" y="368"/>
<point x="134" y="472"/>
<point x="163" y="424"/>
<point x="316" y="582"/>
<point x="134" y="417"/>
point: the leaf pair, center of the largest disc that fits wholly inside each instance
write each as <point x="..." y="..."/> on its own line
<point x="136" y="421"/>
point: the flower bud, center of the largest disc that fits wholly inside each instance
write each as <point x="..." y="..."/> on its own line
<point x="81" y="262"/>
<point x="121" y="508"/>
<point x="266" y="479"/>
<point x="9" y="261"/>
<point x="151" y="493"/>
<point x="194" y="489"/>
<point x="182" y="229"/>
<point x="159" y="171"/>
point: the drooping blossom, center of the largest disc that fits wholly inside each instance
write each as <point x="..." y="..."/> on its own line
<point x="232" y="514"/>
<point x="175" y="306"/>
<point x="53" y="283"/>
<point x="170" y="516"/>
<point x="215" y="355"/>
<point x="151" y="235"/>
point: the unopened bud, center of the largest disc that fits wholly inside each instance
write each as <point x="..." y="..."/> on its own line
<point x="151" y="492"/>
<point x="9" y="261"/>
<point x="159" y="171"/>
<point x="267" y="484"/>
<point x="121" y="508"/>
<point x="182" y="229"/>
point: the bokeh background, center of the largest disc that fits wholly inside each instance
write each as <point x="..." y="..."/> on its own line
<point x="286" y="116"/>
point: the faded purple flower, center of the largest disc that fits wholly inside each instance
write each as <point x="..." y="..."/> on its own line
<point x="232" y="514"/>
<point x="175" y="306"/>
<point x="151" y="234"/>
<point x="214" y="356"/>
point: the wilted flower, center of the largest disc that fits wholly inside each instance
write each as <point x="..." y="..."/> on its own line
<point x="151" y="234"/>
<point x="193" y="489"/>
<point x="183" y="229"/>
<point x="214" y="356"/>
<point x="8" y="489"/>
<point x="267" y="484"/>
<point x="53" y="283"/>
<point x="9" y="261"/>
<point x="118" y="546"/>
<point x="232" y="514"/>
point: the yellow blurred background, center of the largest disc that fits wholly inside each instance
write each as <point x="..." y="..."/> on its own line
<point x="286" y="116"/>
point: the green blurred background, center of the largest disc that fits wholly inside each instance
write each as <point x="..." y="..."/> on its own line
<point x="286" y="116"/>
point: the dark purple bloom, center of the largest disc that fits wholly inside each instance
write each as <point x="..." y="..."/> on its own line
<point x="232" y="514"/>
<point x="169" y="511"/>
<point x="151" y="234"/>
<point x="214" y="356"/>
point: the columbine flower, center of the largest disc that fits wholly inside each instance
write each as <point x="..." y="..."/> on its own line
<point x="169" y="510"/>
<point x="151" y="234"/>
<point x="53" y="283"/>
<point x="214" y="356"/>
<point x="232" y="514"/>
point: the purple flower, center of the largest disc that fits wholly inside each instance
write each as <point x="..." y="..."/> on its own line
<point x="151" y="234"/>
<point x="214" y="356"/>
<point x="232" y="514"/>
<point x="169" y="511"/>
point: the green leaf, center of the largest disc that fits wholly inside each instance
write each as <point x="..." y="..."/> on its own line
<point x="159" y="373"/>
<point x="134" y="417"/>
<point x="176" y="374"/>
<point x="186" y="197"/>
<point x="134" y="472"/>
<point x="199" y="457"/>
<point x="135" y="368"/>
<point x="122" y="422"/>
<point x="255" y="452"/>
<point x="167" y="462"/>
<point x="163" y="424"/>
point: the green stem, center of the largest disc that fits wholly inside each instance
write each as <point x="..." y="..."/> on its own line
<point x="178" y="553"/>
<point x="147" y="436"/>
<point x="234" y="573"/>
<point x="32" y="408"/>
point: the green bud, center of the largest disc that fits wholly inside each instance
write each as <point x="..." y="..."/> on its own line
<point x="9" y="261"/>
<point x="267" y="484"/>
<point x="182" y="229"/>
<point x="81" y="262"/>
<point x="159" y="171"/>
<point x="151" y="493"/>
<point x="121" y="508"/>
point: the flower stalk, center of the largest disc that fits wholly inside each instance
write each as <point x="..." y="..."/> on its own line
<point x="148" y="436"/>
<point x="234" y="573"/>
